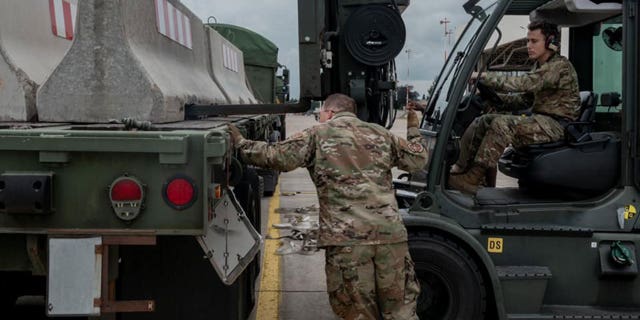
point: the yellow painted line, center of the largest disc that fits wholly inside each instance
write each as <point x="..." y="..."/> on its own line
<point x="290" y="194"/>
<point x="269" y="294"/>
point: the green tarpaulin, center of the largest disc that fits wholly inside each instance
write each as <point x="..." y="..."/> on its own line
<point x="258" y="50"/>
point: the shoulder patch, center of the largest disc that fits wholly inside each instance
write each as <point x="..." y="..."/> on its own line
<point x="415" y="147"/>
<point x="295" y="136"/>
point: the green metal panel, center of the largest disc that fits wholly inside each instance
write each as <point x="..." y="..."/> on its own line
<point x="92" y="161"/>
<point x="607" y="67"/>
<point x="173" y="145"/>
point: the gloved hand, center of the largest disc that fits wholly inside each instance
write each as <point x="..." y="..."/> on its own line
<point x="412" y="119"/>
<point x="235" y="134"/>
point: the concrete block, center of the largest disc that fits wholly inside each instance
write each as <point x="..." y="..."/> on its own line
<point x="29" y="51"/>
<point x="227" y="68"/>
<point x="143" y="59"/>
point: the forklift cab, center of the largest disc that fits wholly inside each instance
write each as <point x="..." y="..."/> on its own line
<point x="549" y="246"/>
<point x="561" y="170"/>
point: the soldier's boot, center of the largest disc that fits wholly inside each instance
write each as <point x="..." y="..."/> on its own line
<point x="470" y="181"/>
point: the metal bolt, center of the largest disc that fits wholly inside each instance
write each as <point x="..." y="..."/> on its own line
<point x="50" y="307"/>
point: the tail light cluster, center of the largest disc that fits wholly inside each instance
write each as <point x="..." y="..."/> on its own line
<point x="127" y="195"/>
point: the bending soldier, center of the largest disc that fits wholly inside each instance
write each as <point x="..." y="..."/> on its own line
<point x="370" y="274"/>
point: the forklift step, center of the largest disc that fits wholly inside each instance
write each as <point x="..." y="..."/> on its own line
<point x="523" y="272"/>
<point x="523" y="287"/>
<point x="578" y="312"/>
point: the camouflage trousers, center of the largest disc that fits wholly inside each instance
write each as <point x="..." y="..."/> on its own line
<point x="372" y="282"/>
<point x="486" y="138"/>
<point x="466" y="154"/>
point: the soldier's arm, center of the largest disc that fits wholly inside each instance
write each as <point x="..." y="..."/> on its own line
<point x="515" y="101"/>
<point x="547" y="76"/>
<point x="295" y="152"/>
<point x="410" y="155"/>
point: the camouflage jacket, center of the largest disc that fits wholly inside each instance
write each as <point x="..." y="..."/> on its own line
<point x="350" y="164"/>
<point x="554" y="86"/>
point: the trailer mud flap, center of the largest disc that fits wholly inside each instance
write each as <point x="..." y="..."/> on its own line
<point x="75" y="271"/>
<point x="230" y="242"/>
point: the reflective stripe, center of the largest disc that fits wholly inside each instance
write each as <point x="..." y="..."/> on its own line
<point x="173" y="23"/>
<point x="62" y="14"/>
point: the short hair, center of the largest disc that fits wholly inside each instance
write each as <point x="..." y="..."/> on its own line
<point x="547" y="29"/>
<point x="339" y="102"/>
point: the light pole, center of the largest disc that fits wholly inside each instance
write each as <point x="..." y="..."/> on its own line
<point x="447" y="34"/>
<point x="408" y="51"/>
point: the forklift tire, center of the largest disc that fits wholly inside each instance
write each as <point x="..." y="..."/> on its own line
<point x="451" y="284"/>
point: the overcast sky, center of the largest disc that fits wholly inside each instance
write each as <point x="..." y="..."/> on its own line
<point x="277" y="20"/>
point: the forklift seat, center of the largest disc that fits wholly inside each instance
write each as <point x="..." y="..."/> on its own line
<point x="585" y="162"/>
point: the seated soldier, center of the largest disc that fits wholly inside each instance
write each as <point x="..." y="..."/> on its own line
<point x="553" y="86"/>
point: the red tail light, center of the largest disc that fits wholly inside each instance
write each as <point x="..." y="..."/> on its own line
<point x="180" y="192"/>
<point x="126" y="195"/>
<point x="126" y="189"/>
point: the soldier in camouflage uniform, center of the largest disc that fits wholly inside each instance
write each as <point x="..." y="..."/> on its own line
<point x="370" y="273"/>
<point x="550" y="89"/>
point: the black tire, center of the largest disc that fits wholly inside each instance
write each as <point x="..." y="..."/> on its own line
<point x="452" y="286"/>
<point x="283" y="127"/>
<point x="273" y="176"/>
<point x="247" y="193"/>
<point x="8" y="292"/>
<point x="7" y="303"/>
<point x="261" y="189"/>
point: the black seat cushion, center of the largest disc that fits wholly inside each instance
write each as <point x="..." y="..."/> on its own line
<point x="584" y="161"/>
<point x="592" y="166"/>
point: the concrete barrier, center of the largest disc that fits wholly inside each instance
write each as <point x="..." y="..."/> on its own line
<point x="143" y="59"/>
<point x="260" y="59"/>
<point x="34" y="37"/>
<point x="227" y="68"/>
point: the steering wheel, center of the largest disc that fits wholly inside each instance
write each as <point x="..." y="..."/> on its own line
<point x="489" y="94"/>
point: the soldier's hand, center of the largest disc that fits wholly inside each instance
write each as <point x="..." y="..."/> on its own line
<point x="415" y="105"/>
<point x="475" y="76"/>
<point x="412" y="119"/>
<point x="235" y="134"/>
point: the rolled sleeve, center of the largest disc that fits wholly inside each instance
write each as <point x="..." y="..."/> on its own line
<point x="287" y="155"/>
